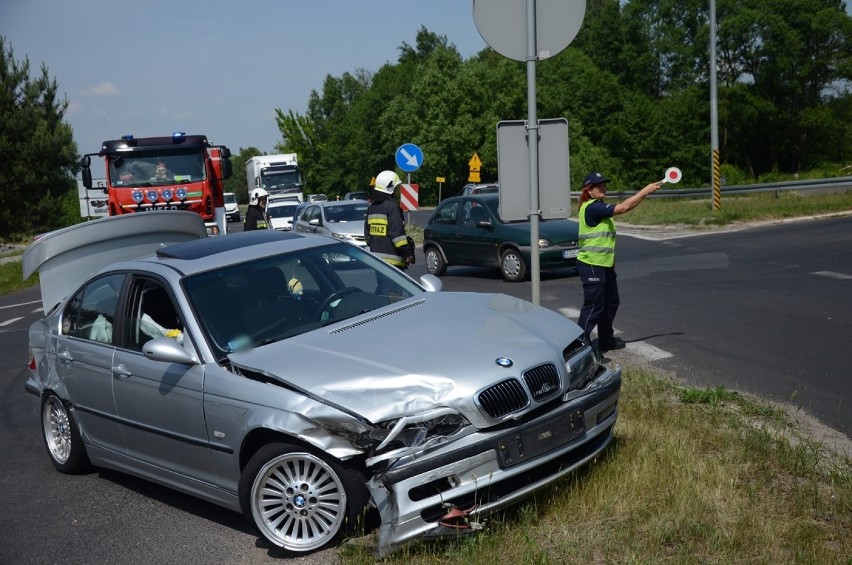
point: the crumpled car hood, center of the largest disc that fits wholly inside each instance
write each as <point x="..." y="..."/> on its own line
<point x="433" y="350"/>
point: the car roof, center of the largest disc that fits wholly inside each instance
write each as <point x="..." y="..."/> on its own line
<point x="329" y="203"/>
<point x="483" y="196"/>
<point x="214" y="252"/>
<point x="277" y="203"/>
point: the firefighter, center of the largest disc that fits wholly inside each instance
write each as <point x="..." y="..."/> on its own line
<point x="384" y="229"/>
<point x="256" y="213"/>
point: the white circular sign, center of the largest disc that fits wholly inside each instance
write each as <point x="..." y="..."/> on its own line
<point x="502" y="24"/>
<point x="673" y="175"/>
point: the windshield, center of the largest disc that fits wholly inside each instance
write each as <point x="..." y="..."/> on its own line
<point x="157" y="168"/>
<point x="230" y="198"/>
<point x="285" y="211"/>
<point x="346" y="213"/>
<point x="282" y="296"/>
<point x="281" y="180"/>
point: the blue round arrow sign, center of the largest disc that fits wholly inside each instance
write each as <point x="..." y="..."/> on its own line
<point x="409" y="157"/>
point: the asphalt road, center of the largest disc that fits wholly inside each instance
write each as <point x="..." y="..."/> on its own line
<point x="766" y="310"/>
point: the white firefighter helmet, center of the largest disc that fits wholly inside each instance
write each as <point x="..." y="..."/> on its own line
<point x="256" y="195"/>
<point x="387" y="181"/>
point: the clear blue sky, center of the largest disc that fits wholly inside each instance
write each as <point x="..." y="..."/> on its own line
<point x="150" y="67"/>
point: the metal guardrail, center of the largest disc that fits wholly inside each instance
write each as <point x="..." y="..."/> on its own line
<point x="837" y="183"/>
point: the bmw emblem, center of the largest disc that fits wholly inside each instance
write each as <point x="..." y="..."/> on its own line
<point x="504" y="362"/>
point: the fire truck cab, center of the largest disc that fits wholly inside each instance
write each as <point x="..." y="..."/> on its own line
<point x="154" y="174"/>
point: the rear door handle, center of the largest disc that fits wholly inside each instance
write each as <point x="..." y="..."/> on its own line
<point x="65" y="357"/>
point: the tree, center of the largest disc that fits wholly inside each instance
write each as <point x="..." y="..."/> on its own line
<point x="37" y="150"/>
<point x="786" y="66"/>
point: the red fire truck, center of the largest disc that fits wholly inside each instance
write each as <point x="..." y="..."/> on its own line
<point x="151" y="174"/>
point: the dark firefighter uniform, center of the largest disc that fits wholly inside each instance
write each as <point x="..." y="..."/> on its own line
<point x="384" y="231"/>
<point x="255" y="219"/>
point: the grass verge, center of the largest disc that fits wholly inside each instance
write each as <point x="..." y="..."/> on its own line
<point x="737" y="208"/>
<point x="11" y="274"/>
<point x="693" y="476"/>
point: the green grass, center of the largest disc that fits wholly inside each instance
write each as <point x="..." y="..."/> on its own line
<point x="693" y="476"/>
<point x="734" y="209"/>
<point x="11" y="276"/>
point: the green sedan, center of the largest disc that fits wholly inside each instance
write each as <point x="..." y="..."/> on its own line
<point x="467" y="230"/>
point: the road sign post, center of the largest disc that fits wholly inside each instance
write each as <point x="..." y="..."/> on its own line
<point x="550" y="26"/>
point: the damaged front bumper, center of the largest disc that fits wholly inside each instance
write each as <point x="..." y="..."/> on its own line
<point x="443" y="491"/>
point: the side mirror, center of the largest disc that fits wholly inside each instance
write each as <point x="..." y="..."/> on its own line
<point x="227" y="169"/>
<point x="87" y="177"/>
<point x="167" y="350"/>
<point x="431" y="283"/>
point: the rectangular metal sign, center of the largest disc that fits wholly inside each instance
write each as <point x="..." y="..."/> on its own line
<point x="513" y="169"/>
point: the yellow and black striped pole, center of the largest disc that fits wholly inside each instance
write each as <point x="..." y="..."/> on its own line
<point x="717" y="182"/>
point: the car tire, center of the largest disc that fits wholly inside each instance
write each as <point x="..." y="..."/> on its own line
<point x="62" y="436"/>
<point x="435" y="263"/>
<point x="512" y="265"/>
<point x="301" y="500"/>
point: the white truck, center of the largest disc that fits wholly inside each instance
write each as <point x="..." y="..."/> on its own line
<point x="278" y="174"/>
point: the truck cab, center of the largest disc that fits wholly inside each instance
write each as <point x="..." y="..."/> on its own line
<point x="156" y="174"/>
<point x="278" y="174"/>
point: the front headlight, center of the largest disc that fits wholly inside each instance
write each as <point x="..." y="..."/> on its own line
<point x="417" y="429"/>
<point x="543" y="243"/>
<point x="343" y="236"/>
<point x="401" y="437"/>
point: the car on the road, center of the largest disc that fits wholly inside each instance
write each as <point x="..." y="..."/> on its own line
<point x="317" y="198"/>
<point x="343" y="219"/>
<point x="279" y="214"/>
<point x="330" y="395"/>
<point x="360" y="195"/>
<point x="467" y="230"/>
<point x="232" y="207"/>
<point x="479" y="188"/>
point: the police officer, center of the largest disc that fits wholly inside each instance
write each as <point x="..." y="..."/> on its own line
<point x="384" y="229"/>
<point x="256" y="213"/>
<point x="596" y="258"/>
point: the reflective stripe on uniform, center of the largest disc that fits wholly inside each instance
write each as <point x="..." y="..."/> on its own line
<point x="391" y="259"/>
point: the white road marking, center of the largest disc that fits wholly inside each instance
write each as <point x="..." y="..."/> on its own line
<point x="832" y="275"/>
<point x="639" y="348"/>
<point x="10" y="321"/>
<point x="20" y="304"/>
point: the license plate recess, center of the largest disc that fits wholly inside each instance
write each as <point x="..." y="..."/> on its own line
<point x="529" y="443"/>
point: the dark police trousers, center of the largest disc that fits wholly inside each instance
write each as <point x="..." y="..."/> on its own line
<point x="600" y="301"/>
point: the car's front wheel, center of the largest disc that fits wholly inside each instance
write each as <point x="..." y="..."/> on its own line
<point x="512" y="265"/>
<point x="62" y="437"/>
<point x="300" y="500"/>
<point x="435" y="264"/>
